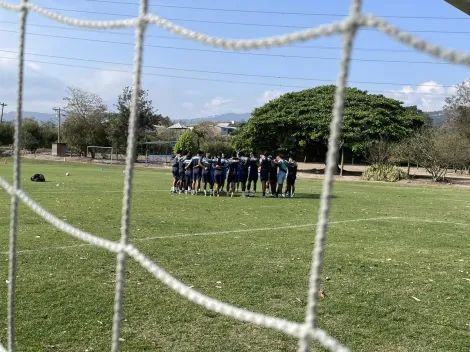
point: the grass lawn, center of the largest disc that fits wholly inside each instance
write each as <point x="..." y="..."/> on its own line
<point x="387" y="244"/>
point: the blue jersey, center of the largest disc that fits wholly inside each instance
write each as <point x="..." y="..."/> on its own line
<point x="233" y="164"/>
<point x="244" y="165"/>
<point x="187" y="163"/>
<point x="254" y="163"/>
<point x="195" y="162"/>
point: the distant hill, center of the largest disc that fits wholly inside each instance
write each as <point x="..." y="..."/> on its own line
<point x="10" y="116"/>
<point x="229" y="117"/>
<point x="438" y="117"/>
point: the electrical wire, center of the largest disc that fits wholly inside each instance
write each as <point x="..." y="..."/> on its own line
<point x="238" y="52"/>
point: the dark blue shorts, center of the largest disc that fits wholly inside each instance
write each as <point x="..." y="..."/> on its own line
<point x="264" y="174"/>
<point x="188" y="176"/>
<point x="219" y="177"/>
<point x="232" y="178"/>
<point x="253" y="177"/>
<point x="181" y="175"/>
<point x="207" y="178"/>
<point x="291" y="179"/>
<point x="176" y="173"/>
<point x="196" y="175"/>
<point x="243" y="178"/>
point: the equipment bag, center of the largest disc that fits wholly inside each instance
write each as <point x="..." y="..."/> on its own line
<point x="38" y="178"/>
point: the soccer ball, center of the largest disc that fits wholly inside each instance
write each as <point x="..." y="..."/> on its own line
<point x="57" y="185"/>
<point x="67" y="174"/>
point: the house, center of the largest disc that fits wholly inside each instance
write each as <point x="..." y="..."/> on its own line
<point x="226" y="128"/>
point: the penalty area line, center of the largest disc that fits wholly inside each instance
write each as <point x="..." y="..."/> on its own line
<point x="219" y="233"/>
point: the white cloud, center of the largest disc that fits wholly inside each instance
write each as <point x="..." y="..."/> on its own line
<point x="219" y="105"/>
<point x="268" y="95"/>
<point x="428" y="96"/>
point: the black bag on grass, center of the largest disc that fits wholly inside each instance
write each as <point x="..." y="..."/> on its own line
<point x="38" y="178"/>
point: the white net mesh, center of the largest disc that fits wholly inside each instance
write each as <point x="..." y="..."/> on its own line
<point x="306" y="332"/>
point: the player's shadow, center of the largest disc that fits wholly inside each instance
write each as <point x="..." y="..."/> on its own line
<point x="309" y="196"/>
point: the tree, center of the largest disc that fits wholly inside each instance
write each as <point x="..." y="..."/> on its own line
<point x="7" y="132"/>
<point x="85" y="122"/>
<point x="436" y="149"/>
<point x="457" y="109"/>
<point x="48" y="133"/>
<point x="185" y="143"/>
<point x="147" y="118"/>
<point x="299" y="122"/>
<point x="380" y="152"/>
<point x="31" y="134"/>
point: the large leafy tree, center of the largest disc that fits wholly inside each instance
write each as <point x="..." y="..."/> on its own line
<point x="299" y="121"/>
<point x="147" y="118"/>
<point x="85" y="120"/>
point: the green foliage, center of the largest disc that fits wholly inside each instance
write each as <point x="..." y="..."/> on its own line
<point x="85" y="120"/>
<point x="7" y="132"/>
<point x="217" y="147"/>
<point x="118" y="127"/>
<point x="300" y="120"/>
<point x="388" y="173"/>
<point x="37" y="135"/>
<point x="185" y="143"/>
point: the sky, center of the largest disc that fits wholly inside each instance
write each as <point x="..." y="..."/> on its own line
<point x="101" y="61"/>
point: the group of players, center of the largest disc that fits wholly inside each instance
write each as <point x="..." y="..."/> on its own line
<point x="193" y="172"/>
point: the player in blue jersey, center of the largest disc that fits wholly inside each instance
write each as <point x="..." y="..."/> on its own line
<point x="281" y="174"/>
<point x="265" y="164"/>
<point x="175" y="171"/>
<point x="224" y="174"/>
<point x="188" y="173"/>
<point x="291" y="177"/>
<point x="207" y="163"/>
<point x="197" y="172"/>
<point x="181" y="172"/>
<point x="232" y="179"/>
<point x="272" y="176"/>
<point x="253" y="173"/>
<point x="243" y="169"/>
<point x="219" y="170"/>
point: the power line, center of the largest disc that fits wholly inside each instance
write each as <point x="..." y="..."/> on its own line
<point x="207" y="79"/>
<point x="274" y="12"/>
<point x="223" y="73"/>
<point x="181" y="38"/>
<point x="239" y="52"/>
<point x="242" y="23"/>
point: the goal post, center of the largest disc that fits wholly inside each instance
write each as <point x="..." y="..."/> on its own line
<point x="94" y="152"/>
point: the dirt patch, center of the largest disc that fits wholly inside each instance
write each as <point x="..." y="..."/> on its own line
<point x="419" y="176"/>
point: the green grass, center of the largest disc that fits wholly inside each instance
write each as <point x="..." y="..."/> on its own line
<point x="65" y="295"/>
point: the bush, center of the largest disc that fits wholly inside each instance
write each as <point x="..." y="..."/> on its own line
<point x="388" y="173"/>
<point x="185" y="143"/>
<point x="217" y="147"/>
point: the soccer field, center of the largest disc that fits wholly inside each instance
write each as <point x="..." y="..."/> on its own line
<point x="397" y="262"/>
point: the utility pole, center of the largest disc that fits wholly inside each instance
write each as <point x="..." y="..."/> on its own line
<point x="1" y="116"/>
<point x="57" y="110"/>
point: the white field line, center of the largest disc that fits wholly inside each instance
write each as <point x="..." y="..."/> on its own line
<point x="218" y="233"/>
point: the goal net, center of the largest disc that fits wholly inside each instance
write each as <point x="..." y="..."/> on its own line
<point x="101" y="154"/>
<point x="307" y="331"/>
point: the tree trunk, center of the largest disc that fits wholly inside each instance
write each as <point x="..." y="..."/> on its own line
<point x="409" y="166"/>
